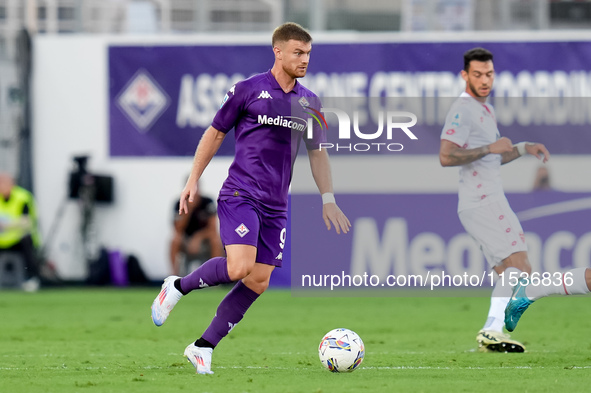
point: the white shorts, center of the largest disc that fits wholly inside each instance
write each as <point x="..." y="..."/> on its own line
<point x="496" y="229"/>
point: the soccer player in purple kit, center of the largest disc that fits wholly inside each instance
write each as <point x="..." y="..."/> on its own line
<point x="252" y="203"/>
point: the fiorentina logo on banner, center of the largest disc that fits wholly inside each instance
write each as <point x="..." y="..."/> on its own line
<point x="142" y="100"/>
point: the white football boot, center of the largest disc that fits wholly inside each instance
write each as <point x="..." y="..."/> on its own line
<point x="493" y="341"/>
<point x="200" y="358"/>
<point x="165" y="301"/>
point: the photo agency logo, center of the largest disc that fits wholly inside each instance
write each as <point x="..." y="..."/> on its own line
<point x="314" y="113"/>
<point x="362" y="129"/>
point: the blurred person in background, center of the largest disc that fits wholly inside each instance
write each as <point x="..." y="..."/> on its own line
<point x="196" y="237"/>
<point x="542" y="180"/>
<point x="18" y="227"/>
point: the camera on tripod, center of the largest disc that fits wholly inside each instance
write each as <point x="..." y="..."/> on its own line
<point x="80" y="178"/>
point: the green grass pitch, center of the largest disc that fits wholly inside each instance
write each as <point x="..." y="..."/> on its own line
<point x="102" y="340"/>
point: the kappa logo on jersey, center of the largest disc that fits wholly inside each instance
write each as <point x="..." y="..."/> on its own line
<point x="242" y="230"/>
<point x="143" y="101"/>
<point x="202" y="284"/>
<point x="279" y="256"/>
<point x="265" y="94"/>
<point x="231" y="326"/>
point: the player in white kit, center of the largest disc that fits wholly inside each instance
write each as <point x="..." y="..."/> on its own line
<point x="470" y="139"/>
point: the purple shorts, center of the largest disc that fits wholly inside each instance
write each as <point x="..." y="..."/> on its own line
<point x="243" y="221"/>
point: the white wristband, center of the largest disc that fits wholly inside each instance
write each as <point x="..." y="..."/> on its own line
<point x="328" y="197"/>
<point x="521" y="148"/>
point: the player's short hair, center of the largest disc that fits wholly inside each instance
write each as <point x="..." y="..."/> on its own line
<point x="290" y="31"/>
<point x="478" y="54"/>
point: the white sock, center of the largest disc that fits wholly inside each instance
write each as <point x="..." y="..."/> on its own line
<point x="572" y="282"/>
<point x="498" y="301"/>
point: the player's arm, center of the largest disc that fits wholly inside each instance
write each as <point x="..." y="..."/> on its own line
<point x="331" y="213"/>
<point x="208" y="145"/>
<point x="451" y="154"/>
<point x="535" y="149"/>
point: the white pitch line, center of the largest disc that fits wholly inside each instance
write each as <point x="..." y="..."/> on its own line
<point x="394" y="368"/>
<point x="180" y="355"/>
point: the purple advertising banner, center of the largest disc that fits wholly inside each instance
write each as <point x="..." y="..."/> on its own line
<point x="420" y="234"/>
<point x="162" y="98"/>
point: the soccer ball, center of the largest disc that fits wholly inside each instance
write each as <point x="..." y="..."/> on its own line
<point x="341" y="351"/>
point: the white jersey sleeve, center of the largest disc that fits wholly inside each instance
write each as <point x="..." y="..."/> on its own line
<point x="458" y="122"/>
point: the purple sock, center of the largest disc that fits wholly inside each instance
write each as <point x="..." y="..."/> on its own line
<point x="211" y="273"/>
<point x="230" y="312"/>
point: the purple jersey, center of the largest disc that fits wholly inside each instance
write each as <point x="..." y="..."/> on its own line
<point x="268" y="131"/>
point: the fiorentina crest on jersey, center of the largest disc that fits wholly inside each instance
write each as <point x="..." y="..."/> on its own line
<point x="143" y="101"/>
<point x="304" y="102"/>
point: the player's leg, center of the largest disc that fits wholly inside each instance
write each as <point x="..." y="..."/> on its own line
<point x="218" y="270"/>
<point x="269" y="254"/>
<point x="511" y="266"/>
<point x="239" y="228"/>
<point x="508" y="270"/>
<point x="230" y="311"/>
<point x="491" y="337"/>
<point x="573" y="282"/>
<point x="498" y="232"/>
